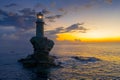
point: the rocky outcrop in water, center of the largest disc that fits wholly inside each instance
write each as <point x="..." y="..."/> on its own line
<point x="40" y="57"/>
<point x="40" y="60"/>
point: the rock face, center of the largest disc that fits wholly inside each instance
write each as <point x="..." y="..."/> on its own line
<point x="42" y="47"/>
<point x="42" y="44"/>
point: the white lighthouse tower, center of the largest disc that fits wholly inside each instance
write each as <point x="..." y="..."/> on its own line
<point x="39" y="25"/>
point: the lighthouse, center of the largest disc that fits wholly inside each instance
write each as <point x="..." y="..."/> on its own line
<point x="42" y="46"/>
<point x="39" y="25"/>
<point x="40" y="42"/>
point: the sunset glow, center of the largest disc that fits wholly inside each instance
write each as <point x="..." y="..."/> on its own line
<point x="87" y="38"/>
<point x="84" y="21"/>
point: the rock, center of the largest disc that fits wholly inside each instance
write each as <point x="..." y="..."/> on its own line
<point x="29" y="63"/>
<point x="42" y="47"/>
<point x="86" y="59"/>
<point x="36" y="61"/>
<point x="42" y="44"/>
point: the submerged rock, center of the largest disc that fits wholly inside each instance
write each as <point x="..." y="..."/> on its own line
<point x="85" y="59"/>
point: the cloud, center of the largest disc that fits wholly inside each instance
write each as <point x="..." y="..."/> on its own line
<point x="23" y="20"/>
<point x="27" y="12"/>
<point x="14" y="26"/>
<point x="73" y="28"/>
<point x="22" y="23"/>
<point x="76" y="27"/>
<point x="17" y="34"/>
<point x="7" y="28"/>
<point x="56" y="31"/>
<point x="62" y="10"/>
<point x="9" y="37"/>
<point x="52" y="18"/>
<point x="45" y="11"/>
<point x="11" y="5"/>
<point x="8" y="32"/>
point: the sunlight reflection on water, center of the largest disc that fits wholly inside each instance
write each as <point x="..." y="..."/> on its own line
<point x="107" y="69"/>
<point x="109" y="52"/>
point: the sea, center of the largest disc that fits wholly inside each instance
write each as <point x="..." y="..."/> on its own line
<point x="106" y="68"/>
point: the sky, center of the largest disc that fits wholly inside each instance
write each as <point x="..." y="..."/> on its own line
<point x="65" y="20"/>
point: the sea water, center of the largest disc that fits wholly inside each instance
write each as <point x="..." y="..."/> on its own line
<point x="108" y="68"/>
